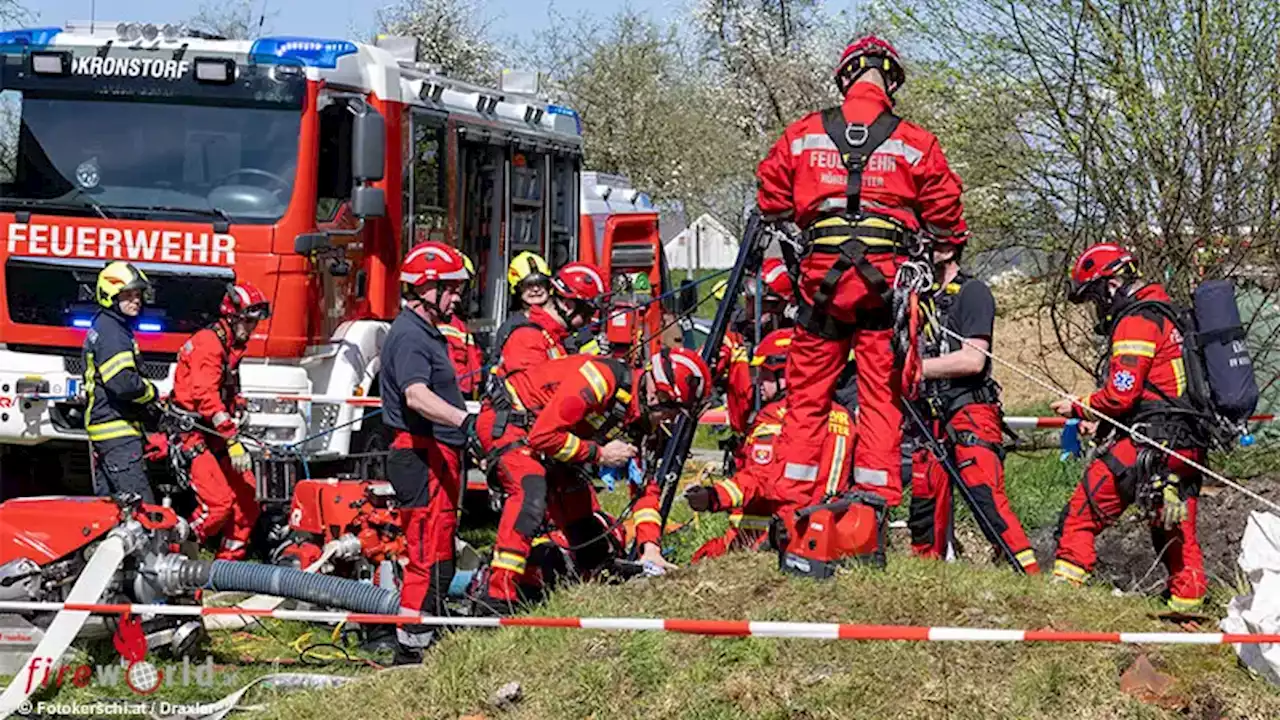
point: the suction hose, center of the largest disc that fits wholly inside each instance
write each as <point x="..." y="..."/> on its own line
<point x="178" y="573"/>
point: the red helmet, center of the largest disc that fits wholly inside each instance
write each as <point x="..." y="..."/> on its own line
<point x="433" y="261"/>
<point x="1097" y="263"/>
<point x="579" y="281"/>
<point x="870" y="53"/>
<point x="776" y="280"/>
<point x="245" y="300"/>
<point x="682" y="374"/>
<point x="771" y="353"/>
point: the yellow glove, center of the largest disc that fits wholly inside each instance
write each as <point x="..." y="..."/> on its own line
<point x="240" y="459"/>
<point x="1175" y="509"/>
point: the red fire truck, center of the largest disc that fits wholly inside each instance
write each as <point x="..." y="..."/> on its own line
<point x="307" y="166"/>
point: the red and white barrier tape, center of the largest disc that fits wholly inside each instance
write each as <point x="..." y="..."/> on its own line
<point x="723" y="628"/>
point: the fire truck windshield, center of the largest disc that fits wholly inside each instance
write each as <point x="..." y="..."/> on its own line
<point x="100" y="156"/>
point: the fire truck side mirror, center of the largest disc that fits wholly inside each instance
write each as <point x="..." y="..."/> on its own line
<point x="368" y="145"/>
<point x="368" y="202"/>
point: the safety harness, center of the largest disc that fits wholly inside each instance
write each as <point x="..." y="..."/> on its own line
<point x="853" y="234"/>
<point x="943" y="399"/>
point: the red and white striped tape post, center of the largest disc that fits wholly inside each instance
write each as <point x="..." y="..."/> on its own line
<point x="718" y="628"/>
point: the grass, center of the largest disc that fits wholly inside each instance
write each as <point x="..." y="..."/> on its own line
<point x="577" y="674"/>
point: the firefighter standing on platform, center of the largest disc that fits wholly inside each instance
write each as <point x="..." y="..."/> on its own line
<point x="1145" y="385"/>
<point x="758" y="490"/>
<point x="468" y="361"/>
<point x="554" y="418"/>
<point x="120" y="398"/>
<point x="963" y="402"/>
<point x="206" y="384"/>
<point x="425" y="413"/>
<point x="857" y="225"/>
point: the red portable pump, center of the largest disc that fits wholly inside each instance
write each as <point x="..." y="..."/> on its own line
<point x="814" y="541"/>
<point x="358" y="516"/>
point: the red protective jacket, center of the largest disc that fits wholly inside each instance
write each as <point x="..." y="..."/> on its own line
<point x="207" y="379"/>
<point x="572" y="397"/>
<point x="533" y="345"/>
<point x="463" y="352"/>
<point x="907" y="177"/>
<point x="1146" y="349"/>
<point x="760" y="478"/>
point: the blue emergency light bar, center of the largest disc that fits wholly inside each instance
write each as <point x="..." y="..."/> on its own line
<point x="82" y="322"/>
<point x="308" y="52"/>
<point x="28" y="38"/>
<point x="146" y="326"/>
<point x="567" y="112"/>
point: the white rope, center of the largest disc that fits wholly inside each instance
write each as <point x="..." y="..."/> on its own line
<point x="1132" y="431"/>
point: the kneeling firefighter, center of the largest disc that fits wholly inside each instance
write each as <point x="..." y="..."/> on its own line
<point x="429" y="425"/>
<point x="556" y="417"/>
<point x="1158" y="381"/>
<point x="120" y="398"/>
<point x="862" y="184"/>
<point x="758" y="489"/>
<point x="206" y="384"/>
<point x="961" y="402"/>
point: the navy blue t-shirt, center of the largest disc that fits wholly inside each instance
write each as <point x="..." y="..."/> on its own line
<point x="972" y="315"/>
<point x="415" y="352"/>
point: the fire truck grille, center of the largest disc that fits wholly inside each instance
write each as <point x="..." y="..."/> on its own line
<point x="323" y="418"/>
<point x="150" y="370"/>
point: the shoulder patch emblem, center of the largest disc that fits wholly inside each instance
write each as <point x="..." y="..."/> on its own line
<point x="762" y="454"/>
<point x="1123" y="380"/>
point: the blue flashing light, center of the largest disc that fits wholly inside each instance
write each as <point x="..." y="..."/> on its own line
<point x="82" y="322"/>
<point x="309" y="52"/>
<point x="28" y="38"/>
<point x="150" y="327"/>
<point x="567" y="112"/>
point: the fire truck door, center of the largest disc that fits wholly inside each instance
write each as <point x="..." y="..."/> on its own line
<point x="482" y="184"/>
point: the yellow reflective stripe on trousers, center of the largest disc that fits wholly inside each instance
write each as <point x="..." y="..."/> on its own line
<point x="1026" y="558"/>
<point x="111" y="430"/>
<point x="115" y="364"/>
<point x="509" y="561"/>
<point x="1067" y="571"/>
<point x="1180" y="604"/>
<point x="753" y="522"/>
<point x="837" y="464"/>
<point x="570" y="448"/>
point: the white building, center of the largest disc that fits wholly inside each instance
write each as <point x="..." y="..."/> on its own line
<point x="706" y="244"/>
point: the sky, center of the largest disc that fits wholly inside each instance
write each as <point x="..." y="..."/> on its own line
<point x="334" y="18"/>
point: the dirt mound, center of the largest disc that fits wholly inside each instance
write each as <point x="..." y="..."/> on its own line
<point x="1127" y="560"/>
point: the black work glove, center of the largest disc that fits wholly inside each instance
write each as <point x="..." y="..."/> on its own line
<point x="702" y="498"/>
<point x="471" y="437"/>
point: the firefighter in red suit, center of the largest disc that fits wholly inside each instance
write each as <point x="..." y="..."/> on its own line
<point x="963" y="403"/>
<point x="534" y="336"/>
<point x="465" y="353"/>
<point x="758" y="490"/>
<point x="206" y="383"/>
<point x="857" y="224"/>
<point x="556" y="417"/>
<point x="1144" y="384"/>
<point x="429" y="427"/>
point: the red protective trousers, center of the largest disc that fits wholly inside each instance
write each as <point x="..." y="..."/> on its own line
<point x="535" y="491"/>
<point x="982" y="472"/>
<point x="813" y="370"/>
<point x="1082" y="520"/>
<point x="227" y="499"/>
<point x="430" y="522"/>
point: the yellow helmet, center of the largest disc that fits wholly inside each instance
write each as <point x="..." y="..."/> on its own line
<point x="524" y="266"/>
<point x="718" y="290"/>
<point x="471" y="269"/>
<point x="117" y="277"/>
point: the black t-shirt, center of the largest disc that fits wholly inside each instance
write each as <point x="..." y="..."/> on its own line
<point x="971" y="315"/>
<point x="416" y="352"/>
